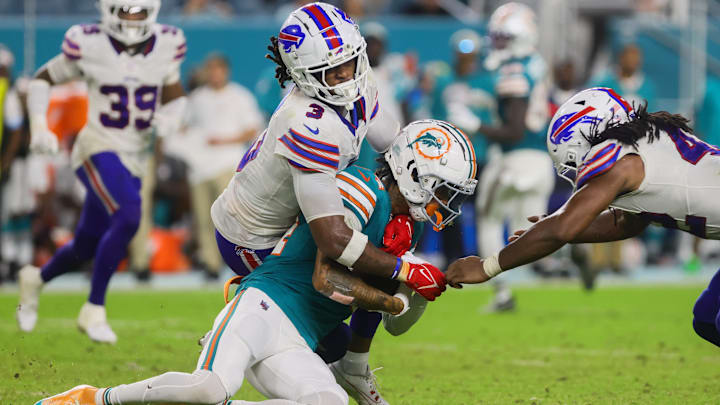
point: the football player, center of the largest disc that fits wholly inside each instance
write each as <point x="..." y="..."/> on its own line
<point x="131" y="65"/>
<point x="315" y="132"/>
<point x="629" y="168"/>
<point x="517" y="182"/>
<point x="268" y="332"/>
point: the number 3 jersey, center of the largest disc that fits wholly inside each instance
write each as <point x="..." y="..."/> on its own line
<point x="305" y="134"/>
<point x="123" y="89"/>
<point x="681" y="188"/>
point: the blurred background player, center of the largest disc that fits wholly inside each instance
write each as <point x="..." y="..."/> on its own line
<point x="131" y="65"/>
<point x="518" y="178"/>
<point x="223" y="118"/>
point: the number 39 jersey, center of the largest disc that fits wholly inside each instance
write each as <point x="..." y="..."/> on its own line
<point x="123" y="90"/>
<point x="259" y="204"/>
<point x="681" y="188"/>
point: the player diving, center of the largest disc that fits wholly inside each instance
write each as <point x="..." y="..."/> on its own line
<point x="630" y="168"/>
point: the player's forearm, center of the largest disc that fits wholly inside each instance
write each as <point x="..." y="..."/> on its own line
<point x="338" y="283"/>
<point x="538" y="242"/>
<point x="335" y="239"/>
<point x="612" y="225"/>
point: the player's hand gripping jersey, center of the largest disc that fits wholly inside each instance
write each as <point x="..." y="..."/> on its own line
<point x="124" y="89"/>
<point x="304" y="135"/>
<point x="286" y="275"/>
<point x="681" y="188"/>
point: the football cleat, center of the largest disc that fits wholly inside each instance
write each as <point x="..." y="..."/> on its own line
<point x="80" y="395"/>
<point x="93" y="321"/>
<point x="362" y="388"/>
<point x="30" y="285"/>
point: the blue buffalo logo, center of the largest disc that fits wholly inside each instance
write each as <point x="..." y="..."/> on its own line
<point x="344" y="16"/>
<point x="290" y="36"/>
<point x="564" y="135"/>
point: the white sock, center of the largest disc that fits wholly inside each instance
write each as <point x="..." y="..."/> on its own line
<point x="355" y="363"/>
<point x="266" y="402"/>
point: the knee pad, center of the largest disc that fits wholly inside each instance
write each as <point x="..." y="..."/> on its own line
<point x="334" y="395"/>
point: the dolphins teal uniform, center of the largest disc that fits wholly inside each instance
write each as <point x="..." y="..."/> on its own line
<point x="286" y="274"/>
<point x="475" y="91"/>
<point x="524" y="78"/>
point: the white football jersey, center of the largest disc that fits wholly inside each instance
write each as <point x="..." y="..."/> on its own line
<point x="259" y="203"/>
<point x="681" y="187"/>
<point x="123" y="90"/>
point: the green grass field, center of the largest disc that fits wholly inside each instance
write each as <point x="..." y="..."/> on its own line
<point x="617" y="345"/>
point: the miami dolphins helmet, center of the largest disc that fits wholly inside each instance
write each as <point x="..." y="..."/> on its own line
<point x="434" y="165"/>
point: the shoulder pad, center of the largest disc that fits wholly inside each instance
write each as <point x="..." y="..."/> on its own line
<point x="76" y="39"/>
<point x="173" y="39"/>
<point x="601" y="158"/>
<point x="359" y="189"/>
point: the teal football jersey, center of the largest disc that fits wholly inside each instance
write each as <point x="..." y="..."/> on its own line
<point x="525" y="78"/>
<point x="475" y="91"/>
<point x="286" y="274"/>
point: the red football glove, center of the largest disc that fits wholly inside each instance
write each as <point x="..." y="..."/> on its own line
<point x="424" y="278"/>
<point x="398" y="235"/>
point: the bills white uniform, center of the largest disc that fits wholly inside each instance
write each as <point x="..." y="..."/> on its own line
<point x="259" y="203"/>
<point x="681" y="188"/>
<point x="124" y="90"/>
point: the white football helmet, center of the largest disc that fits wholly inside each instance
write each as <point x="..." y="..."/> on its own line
<point x="513" y="33"/>
<point x="316" y="38"/>
<point x="128" y="32"/>
<point x="434" y="165"/>
<point x="585" y="114"/>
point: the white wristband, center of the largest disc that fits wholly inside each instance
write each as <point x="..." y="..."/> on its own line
<point x="354" y="249"/>
<point x="491" y="266"/>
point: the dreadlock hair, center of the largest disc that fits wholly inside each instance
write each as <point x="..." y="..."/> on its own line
<point x="281" y="71"/>
<point x="641" y="124"/>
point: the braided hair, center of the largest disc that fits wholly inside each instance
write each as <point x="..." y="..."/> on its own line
<point x="641" y="124"/>
<point x="281" y="71"/>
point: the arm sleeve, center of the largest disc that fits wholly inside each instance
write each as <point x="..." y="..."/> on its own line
<point x="399" y="324"/>
<point x="383" y="129"/>
<point x="317" y="194"/>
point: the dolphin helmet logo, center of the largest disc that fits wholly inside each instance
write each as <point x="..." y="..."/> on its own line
<point x="432" y="143"/>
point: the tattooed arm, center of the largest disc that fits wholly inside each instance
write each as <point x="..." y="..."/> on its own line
<point x="336" y="282"/>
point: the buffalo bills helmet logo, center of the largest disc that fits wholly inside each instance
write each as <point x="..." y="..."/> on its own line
<point x="344" y="16"/>
<point x="563" y="127"/>
<point x="291" y="35"/>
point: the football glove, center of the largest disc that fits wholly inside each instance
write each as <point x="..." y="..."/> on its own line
<point x="398" y="235"/>
<point x="423" y="278"/>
